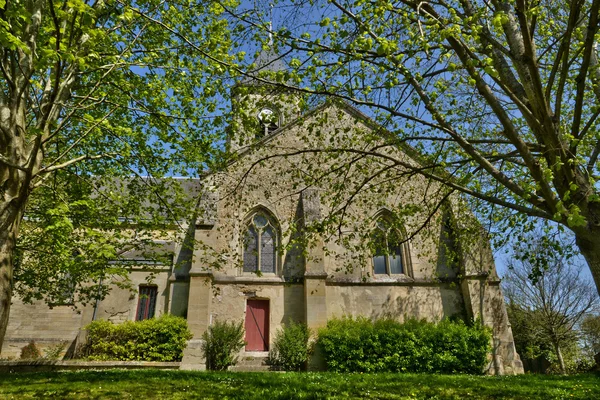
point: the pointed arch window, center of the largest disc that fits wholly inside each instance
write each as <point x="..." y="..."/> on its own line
<point x="390" y="252"/>
<point x="260" y="244"/>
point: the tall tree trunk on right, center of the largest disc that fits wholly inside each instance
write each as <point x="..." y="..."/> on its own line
<point x="589" y="245"/>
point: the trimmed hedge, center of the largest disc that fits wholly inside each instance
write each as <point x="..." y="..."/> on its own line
<point x="360" y="345"/>
<point x="157" y="339"/>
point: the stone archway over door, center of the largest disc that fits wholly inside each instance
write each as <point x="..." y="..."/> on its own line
<point x="257" y="325"/>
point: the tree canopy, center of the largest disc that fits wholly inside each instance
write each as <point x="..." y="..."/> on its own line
<point x="92" y="91"/>
<point x="502" y="97"/>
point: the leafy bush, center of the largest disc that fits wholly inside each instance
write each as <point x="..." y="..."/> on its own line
<point x="30" y="352"/>
<point x="360" y="345"/>
<point x="157" y="339"/>
<point x="291" y="347"/>
<point x="222" y="341"/>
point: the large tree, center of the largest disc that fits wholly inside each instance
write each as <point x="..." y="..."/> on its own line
<point x="551" y="301"/>
<point x="91" y="90"/>
<point x="502" y="97"/>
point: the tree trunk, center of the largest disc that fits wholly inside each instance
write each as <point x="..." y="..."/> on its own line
<point x="561" y="361"/>
<point x="8" y="239"/>
<point x="589" y="245"/>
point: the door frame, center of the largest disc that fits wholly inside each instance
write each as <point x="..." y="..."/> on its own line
<point x="264" y="335"/>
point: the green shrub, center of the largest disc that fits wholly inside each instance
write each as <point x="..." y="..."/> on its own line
<point x="30" y="352"/>
<point x="222" y="341"/>
<point x="291" y="347"/>
<point x="360" y="345"/>
<point x="55" y="352"/>
<point x="157" y="339"/>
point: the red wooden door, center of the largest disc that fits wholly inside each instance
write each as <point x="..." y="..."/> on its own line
<point x="257" y="325"/>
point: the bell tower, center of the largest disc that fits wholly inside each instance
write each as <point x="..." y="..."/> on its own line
<point x="260" y="107"/>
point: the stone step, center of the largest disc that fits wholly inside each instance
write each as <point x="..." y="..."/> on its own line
<point x="249" y="368"/>
<point x="251" y="364"/>
<point x="252" y="361"/>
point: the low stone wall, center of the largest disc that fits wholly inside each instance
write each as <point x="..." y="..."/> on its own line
<point x="50" y="365"/>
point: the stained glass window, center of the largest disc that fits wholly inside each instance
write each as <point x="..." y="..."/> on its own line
<point x="267" y="260"/>
<point x="146" y="302"/>
<point x="387" y="259"/>
<point x="396" y="261"/>
<point x="268" y="120"/>
<point x="251" y="250"/>
<point x="260" y="221"/>
<point x="260" y="245"/>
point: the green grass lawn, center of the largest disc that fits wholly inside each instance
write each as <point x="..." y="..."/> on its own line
<point x="152" y="384"/>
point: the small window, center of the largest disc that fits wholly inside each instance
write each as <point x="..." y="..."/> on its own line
<point x="268" y="121"/>
<point x="146" y="302"/>
<point x="388" y="258"/>
<point x="260" y="245"/>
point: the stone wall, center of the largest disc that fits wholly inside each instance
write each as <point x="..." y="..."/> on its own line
<point x="432" y="302"/>
<point x="286" y="302"/>
<point x="121" y="304"/>
<point x="52" y="326"/>
<point x="46" y="326"/>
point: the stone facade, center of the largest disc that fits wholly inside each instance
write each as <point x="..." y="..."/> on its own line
<point x="302" y="269"/>
<point x="61" y="325"/>
<point x="334" y="276"/>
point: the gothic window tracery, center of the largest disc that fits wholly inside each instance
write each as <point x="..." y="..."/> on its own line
<point x="390" y="251"/>
<point x="260" y="244"/>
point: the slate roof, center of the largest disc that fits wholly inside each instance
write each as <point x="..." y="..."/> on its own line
<point x="267" y="60"/>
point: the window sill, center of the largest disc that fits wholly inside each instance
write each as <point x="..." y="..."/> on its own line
<point x="390" y="278"/>
<point x="395" y="280"/>
<point x="249" y="277"/>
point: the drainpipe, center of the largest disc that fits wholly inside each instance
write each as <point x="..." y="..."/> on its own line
<point x="95" y="315"/>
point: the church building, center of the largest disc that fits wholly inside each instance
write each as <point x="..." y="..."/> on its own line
<point x="320" y="214"/>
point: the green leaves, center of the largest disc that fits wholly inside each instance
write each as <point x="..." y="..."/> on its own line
<point x="291" y="347"/>
<point x="386" y="47"/>
<point x="482" y="91"/>
<point x="117" y="91"/>
<point x="385" y="345"/>
<point x="222" y="342"/>
<point x="156" y="339"/>
<point x="9" y="40"/>
<point x="500" y="18"/>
